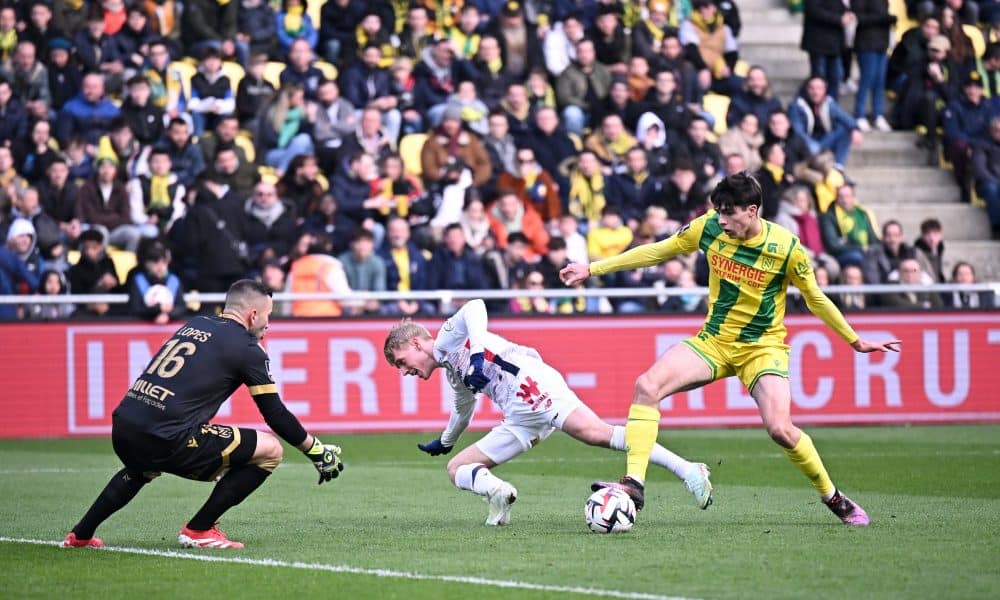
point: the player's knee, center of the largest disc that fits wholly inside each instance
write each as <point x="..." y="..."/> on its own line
<point x="269" y="452"/>
<point x="782" y="433"/>
<point x="647" y="389"/>
<point x="453" y="466"/>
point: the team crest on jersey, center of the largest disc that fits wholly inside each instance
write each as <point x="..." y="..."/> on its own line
<point x="767" y="263"/>
<point x="803" y="268"/>
<point x="722" y="245"/>
<point x="267" y="368"/>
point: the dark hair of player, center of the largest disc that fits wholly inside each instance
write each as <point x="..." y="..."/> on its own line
<point x="242" y="293"/>
<point x="739" y="189"/>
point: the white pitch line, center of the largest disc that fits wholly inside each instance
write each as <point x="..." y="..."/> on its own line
<point x="269" y="562"/>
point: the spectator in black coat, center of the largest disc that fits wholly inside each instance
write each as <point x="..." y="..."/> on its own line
<point x="98" y="52"/>
<point x="695" y="148"/>
<point x="352" y="187"/>
<point x="823" y="38"/>
<point x="754" y="97"/>
<point x="871" y="41"/>
<point x="13" y="118"/>
<point x="212" y="24"/>
<point x="779" y="129"/>
<point x="332" y="229"/>
<point x="215" y="242"/>
<point x="455" y="265"/>
<point x="94" y="272"/>
<point x="398" y="250"/>
<point x="365" y="83"/>
<point x="64" y="74"/>
<point x="270" y="228"/>
<point x="134" y="37"/>
<point x="636" y="188"/>
<point x="552" y="147"/>
<point x="256" y="26"/>
<point x="337" y="25"/>
<point x="185" y="155"/>
<point x="143" y="118"/>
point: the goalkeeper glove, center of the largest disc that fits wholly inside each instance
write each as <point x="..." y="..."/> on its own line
<point x="326" y="459"/>
<point x="475" y="379"/>
<point x="435" y="448"/>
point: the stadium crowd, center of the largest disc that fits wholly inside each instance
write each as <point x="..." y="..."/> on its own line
<point x="155" y="147"/>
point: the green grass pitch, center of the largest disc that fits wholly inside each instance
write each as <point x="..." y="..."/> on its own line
<point x="393" y="526"/>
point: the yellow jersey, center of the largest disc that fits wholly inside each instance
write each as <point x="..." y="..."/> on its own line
<point x="748" y="279"/>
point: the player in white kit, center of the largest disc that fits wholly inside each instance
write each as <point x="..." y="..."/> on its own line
<point x="534" y="398"/>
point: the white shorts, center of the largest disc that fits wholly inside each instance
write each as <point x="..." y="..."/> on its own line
<point x="544" y="402"/>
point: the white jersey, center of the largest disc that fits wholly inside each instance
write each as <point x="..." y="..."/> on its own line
<point x="464" y="334"/>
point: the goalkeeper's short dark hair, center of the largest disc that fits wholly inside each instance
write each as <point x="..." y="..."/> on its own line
<point x="739" y="189"/>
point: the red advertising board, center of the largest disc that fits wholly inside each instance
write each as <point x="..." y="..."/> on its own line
<point x="66" y="379"/>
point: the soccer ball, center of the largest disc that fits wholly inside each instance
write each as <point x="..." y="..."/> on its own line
<point x="158" y="294"/>
<point x="609" y="511"/>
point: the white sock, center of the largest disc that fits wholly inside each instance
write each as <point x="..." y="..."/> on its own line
<point x="476" y="478"/>
<point x="659" y="456"/>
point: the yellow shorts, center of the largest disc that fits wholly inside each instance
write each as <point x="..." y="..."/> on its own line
<point x="746" y="360"/>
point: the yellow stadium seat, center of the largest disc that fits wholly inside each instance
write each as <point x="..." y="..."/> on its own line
<point x="329" y="71"/>
<point x="976" y="36"/>
<point x="409" y="149"/>
<point x="245" y="141"/>
<point x="315" y="11"/>
<point x="717" y="105"/>
<point x="235" y="74"/>
<point x="267" y="174"/>
<point x="903" y="23"/>
<point x="185" y="71"/>
<point x="124" y="261"/>
<point x="272" y="73"/>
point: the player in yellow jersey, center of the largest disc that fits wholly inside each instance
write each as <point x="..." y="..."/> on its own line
<point x="751" y="263"/>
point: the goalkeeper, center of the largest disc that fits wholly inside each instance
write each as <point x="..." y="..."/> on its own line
<point x="162" y="423"/>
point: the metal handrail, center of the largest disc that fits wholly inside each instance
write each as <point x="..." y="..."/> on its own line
<point x="449" y="295"/>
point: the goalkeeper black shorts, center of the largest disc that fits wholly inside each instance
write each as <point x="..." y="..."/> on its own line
<point x="202" y="454"/>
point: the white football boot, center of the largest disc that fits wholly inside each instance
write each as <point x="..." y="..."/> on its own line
<point x="698" y="484"/>
<point x="500" y="501"/>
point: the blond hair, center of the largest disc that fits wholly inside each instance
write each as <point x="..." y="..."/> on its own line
<point x="400" y="334"/>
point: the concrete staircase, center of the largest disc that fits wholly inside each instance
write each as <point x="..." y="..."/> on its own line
<point x="890" y="171"/>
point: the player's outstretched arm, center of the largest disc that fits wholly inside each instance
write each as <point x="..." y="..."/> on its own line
<point x="864" y="346"/>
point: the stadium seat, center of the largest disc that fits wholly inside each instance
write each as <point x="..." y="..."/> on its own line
<point x="976" y="36"/>
<point x="903" y="23"/>
<point x="267" y="174"/>
<point x="245" y="141"/>
<point x="409" y="149"/>
<point x="272" y="73"/>
<point x="717" y="105"/>
<point x="185" y="71"/>
<point x="235" y="74"/>
<point x="329" y="71"/>
<point x="315" y="12"/>
<point x="124" y="261"/>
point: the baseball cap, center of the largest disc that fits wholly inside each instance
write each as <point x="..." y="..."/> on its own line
<point x="511" y="9"/>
